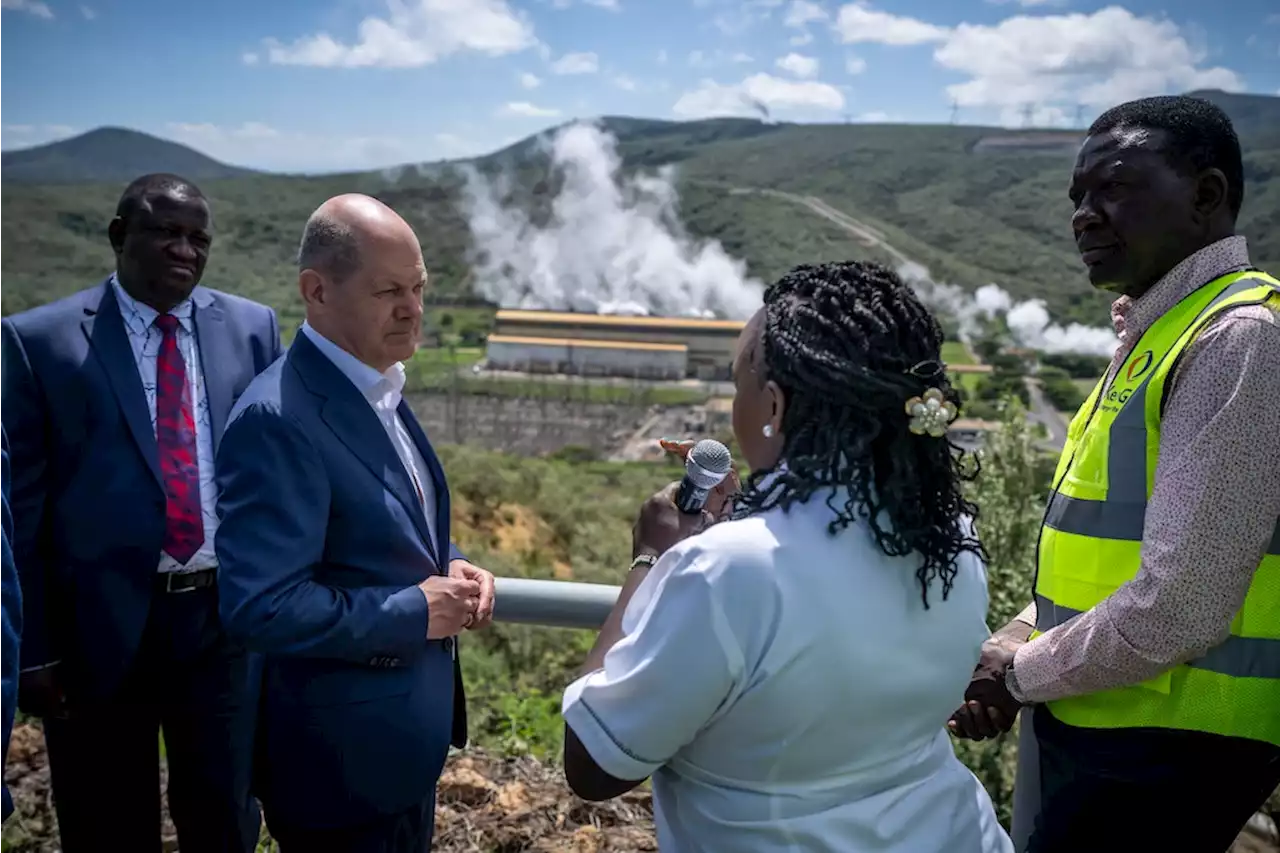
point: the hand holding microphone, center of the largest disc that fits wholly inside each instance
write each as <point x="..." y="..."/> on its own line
<point x="685" y="508"/>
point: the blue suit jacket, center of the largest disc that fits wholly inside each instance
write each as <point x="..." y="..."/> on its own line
<point x="321" y="543"/>
<point x="88" y="504"/>
<point x="12" y="593"/>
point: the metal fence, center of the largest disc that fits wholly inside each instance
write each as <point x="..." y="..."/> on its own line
<point x="553" y="604"/>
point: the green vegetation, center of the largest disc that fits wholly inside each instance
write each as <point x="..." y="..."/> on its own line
<point x="971" y="215"/>
<point x="1063" y="391"/>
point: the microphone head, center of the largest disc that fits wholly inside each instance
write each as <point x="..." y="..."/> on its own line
<point x="708" y="463"/>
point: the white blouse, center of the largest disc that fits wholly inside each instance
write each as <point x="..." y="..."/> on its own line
<point x="788" y="691"/>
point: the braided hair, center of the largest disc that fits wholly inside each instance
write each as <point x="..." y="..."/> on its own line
<point x="848" y="344"/>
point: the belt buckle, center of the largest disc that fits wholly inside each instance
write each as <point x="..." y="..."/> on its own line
<point x="168" y="583"/>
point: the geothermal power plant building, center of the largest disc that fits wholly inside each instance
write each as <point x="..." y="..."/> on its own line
<point x="612" y="345"/>
<point x="626" y="346"/>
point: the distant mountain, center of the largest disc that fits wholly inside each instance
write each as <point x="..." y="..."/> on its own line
<point x="110" y="155"/>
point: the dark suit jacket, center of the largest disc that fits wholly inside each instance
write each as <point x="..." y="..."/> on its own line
<point x="321" y="543"/>
<point x="88" y="504"/>
<point x="12" y="593"/>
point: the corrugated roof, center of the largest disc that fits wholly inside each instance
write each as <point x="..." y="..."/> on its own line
<point x="582" y="342"/>
<point x="511" y="315"/>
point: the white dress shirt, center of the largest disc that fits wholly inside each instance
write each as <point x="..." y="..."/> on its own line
<point x="384" y="392"/>
<point x="788" y="691"/>
<point x="145" y="339"/>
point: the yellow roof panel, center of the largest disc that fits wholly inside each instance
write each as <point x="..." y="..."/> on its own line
<point x="580" y="342"/>
<point x="582" y="319"/>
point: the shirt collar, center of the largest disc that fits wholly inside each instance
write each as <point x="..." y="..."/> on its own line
<point x="139" y="317"/>
<point x="382" y="389"/>
<point x="1132" y="317"/>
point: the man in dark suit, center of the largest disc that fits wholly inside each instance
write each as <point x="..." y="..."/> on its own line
<point x="115" y="401"/>
<point x="334" y="553"/>
<point x="12" y="592"/>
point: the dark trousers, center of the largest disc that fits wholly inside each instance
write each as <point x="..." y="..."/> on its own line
<point x="104" y="755"/>
<point x="408" y="831"/>
<point x="1146" y="789"/>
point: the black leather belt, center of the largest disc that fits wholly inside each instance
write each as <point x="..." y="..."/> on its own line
<point x="186" y="581"/>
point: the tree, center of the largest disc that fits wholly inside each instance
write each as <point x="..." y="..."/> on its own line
<point x="1010" y="491"/>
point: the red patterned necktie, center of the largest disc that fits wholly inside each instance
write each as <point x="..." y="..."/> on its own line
<point x="176" y="443"/>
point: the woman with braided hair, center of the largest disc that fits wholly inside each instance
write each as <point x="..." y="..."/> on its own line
<point x="786" y="675"/>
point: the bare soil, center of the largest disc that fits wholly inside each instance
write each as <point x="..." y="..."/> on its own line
<point x="485" y="804"/>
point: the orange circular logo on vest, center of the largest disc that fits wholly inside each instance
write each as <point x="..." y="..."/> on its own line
<point x="1138" y="365"/>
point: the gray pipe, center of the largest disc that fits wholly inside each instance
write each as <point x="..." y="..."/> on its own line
<point x="554" y="604"/>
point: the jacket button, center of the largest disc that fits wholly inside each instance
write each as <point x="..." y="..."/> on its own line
<point x="447" y="644"/>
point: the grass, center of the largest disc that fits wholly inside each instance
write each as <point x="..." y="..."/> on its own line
<point x="954" y="352"/>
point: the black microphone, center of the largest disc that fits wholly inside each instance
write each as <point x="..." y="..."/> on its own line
<point x="706" y="466"/>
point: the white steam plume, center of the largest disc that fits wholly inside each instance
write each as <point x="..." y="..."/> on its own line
<point x="613" y="243"/>
<point x="1028" y="321"/>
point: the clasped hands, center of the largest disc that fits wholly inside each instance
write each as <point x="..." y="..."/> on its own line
<point x="989" y="709"/>
<point x="461" y="600"/>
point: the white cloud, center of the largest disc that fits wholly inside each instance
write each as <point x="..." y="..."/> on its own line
<point x="803" y="12"/>
<point x="854" y="64"/>
<point x="1095" y="59"/>
<point x="88" y="13"/>
<point x="262" y="146"/>
<point x="249" y="58"/>
<point x="530" y="81"/>
<point x="576" y="63"/>
<point x="27" y="135"/>
<point x="625" y="83"/>
<point x="878" y="117"/>
<point x="1051" y="62"/>
<point x="524" y="109"/>
<point x="413" y="34"/>
<point x="798" y="64"/>
<point x="1028" y="4"/>
<point x="758" y="91"/>
<point x="31" y="7"/>
<point x="661" y="58"/>
<point x="857" y="23"/>
<point x="800" y="40"/>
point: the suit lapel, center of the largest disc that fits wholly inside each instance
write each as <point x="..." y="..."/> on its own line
<point x="439" y="487"/>
<point x="104" y="327"/>
<point x="216" y="350"/>
<point x="353" y="421"/>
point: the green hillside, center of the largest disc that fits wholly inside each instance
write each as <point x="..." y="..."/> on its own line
<point x="109" y="154"/>
<point x="973" y="204"/>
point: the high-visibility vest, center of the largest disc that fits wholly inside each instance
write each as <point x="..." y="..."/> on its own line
<point x="1091" y="539"/>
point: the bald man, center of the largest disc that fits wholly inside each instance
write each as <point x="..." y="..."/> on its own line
<point x="334" y="553"/>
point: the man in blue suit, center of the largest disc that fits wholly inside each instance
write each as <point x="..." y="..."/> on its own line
<point x="334" y="554"/>
<point x="12" y="594"/>
<point x="115" y="401"/>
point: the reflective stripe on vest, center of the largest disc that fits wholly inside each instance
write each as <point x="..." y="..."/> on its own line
<point x="1092" y="539"/>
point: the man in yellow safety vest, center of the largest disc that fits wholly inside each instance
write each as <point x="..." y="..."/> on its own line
<point x="1150" y="656"/>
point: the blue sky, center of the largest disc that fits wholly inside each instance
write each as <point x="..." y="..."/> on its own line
<point x="308" y="85"/>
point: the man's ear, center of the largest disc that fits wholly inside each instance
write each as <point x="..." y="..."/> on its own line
<point x="1211" y="193"/>
<point x="116" y="229"/>
<point x="311" y="287"/>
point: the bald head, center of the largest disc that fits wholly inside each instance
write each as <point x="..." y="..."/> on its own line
<point x="344" y="228"/>
<point x="361" y="274"/>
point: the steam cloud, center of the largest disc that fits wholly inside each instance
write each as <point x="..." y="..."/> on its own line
<point x="1028" y="321"/>
<point x="613" y="244"/>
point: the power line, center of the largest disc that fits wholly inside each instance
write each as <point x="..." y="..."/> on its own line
<point x="955" y="110"/>
<point x="1028" y="110"/>
<point x="1079" y="115"/>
